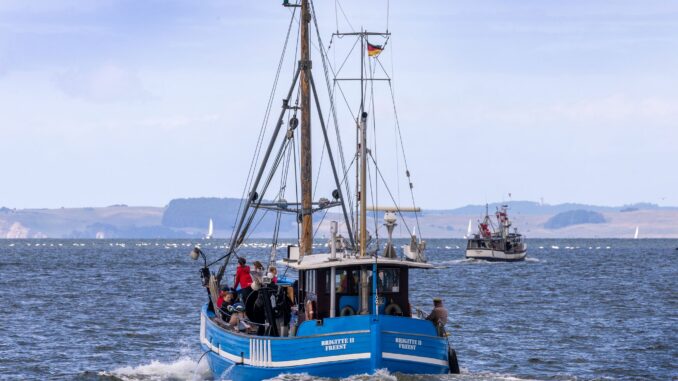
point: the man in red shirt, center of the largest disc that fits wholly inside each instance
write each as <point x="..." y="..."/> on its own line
<point x="243" y="279"/>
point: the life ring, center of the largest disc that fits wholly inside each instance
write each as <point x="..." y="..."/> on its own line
<point x="347" y="311"/>
<point x="394" y="310"/>
<point x="452" y="361"/>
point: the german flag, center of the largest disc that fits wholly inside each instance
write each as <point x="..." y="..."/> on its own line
<point x="373" y="50"/>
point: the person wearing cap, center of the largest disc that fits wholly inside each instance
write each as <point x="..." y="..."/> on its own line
<point x="243" y="279"/>
<point x="438" y="315"/>
<point x="238" y="320"/>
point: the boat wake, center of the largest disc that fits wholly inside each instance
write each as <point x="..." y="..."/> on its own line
<point x="384" y="375"/>
<point x="188" y="369"/>
<point x="452" y="262"/>
<point x="184" y="368"/>
<point x="379" y="375"/>
<point x="475" y="261"/>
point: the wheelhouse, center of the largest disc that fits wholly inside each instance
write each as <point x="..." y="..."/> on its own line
<point x="332" y="288"/>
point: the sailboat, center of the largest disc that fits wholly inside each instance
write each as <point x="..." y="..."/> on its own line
<point x="635" y="235"/>
<point x="349" y="311"/>
<point x="469" y="229"/>
<point x="500" y="245"/>
<point x="210" y="230"/>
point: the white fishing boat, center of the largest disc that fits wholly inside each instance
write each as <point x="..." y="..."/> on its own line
<point x="497" y="245"/>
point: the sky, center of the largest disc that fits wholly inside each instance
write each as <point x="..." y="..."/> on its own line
<point x="139" y="102"/>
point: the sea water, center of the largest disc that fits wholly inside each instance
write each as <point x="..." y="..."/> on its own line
<point x="129" y="310"/>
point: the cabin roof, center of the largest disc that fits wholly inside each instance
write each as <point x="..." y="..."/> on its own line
<point x="321" y="261"/>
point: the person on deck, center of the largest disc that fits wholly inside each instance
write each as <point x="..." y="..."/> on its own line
<point x="257" y="275"/>
<point x="226" y="299"/>
<point x="438" y="315"/>
<point x="243" y="279"/>
<point x="238" y="320"/>
<point x="273" y="274"/>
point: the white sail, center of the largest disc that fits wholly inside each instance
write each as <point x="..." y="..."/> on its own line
<point x="210" y="230"/>
<point x="635" y="236"/>
<point x="468" y="229"/>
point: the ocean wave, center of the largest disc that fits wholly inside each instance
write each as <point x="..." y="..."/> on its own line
<point x="379" y="375"/>
<point x="184" y="368"/>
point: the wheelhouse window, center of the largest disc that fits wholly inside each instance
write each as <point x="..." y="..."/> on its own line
<point x="346" y="281"/>
<point x="389" y="280"/>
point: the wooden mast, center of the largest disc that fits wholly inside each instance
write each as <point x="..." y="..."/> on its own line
<point x="306" y="239"/>
<point x="363" y="153"/>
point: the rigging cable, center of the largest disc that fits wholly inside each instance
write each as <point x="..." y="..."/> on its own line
<point x="324" y="59"/>
<point x="262" y="131"/>
<point x="402" y="146"/>
<point x="388" y="190"/>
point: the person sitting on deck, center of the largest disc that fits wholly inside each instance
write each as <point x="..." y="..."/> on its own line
<point x="438" y="316"/>
<point x="226" y="299"/>
<point x="243" y="279"/>
<point x="238" y="321"/>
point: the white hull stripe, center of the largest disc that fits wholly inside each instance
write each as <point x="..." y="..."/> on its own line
<point x="260" y="351"/>
<point x="284" y="364"/>
<point x="426" y="360"/>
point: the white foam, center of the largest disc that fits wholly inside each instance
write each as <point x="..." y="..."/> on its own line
<point x="184" y="368"/>
<point x="451" y="262"/>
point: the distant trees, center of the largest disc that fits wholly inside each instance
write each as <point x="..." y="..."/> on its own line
<point x="196" y="212"/>
<point x="574" y="217"/>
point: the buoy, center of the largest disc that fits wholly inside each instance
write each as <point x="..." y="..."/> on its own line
<point x="393" y="309"/>
<point x="347" y="311"/>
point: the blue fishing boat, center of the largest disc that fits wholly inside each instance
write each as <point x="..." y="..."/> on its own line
<point x="344" y="308"/>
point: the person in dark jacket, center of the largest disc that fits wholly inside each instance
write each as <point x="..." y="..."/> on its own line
<point x="227" y="298"/>
<point x="243" y="279"/>
<point x="438" y="315"/>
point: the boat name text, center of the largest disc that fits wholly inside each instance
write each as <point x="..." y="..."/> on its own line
<point x="337" y="344"/>
<point x="409" y="344"/>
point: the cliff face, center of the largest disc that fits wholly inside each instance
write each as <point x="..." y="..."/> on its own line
<point x="189" y="218"/>
<point x="75" y="222"/>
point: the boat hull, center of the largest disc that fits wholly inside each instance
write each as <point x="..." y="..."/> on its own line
<point x="495" y="255"/>
<point x="335" y="347"/>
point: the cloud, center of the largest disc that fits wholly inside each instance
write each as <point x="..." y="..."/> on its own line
<point x="108" y="83"/>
